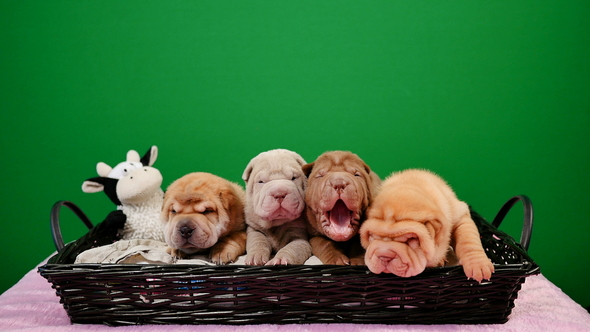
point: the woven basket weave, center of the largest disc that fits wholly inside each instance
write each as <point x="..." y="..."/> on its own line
<point x="126" y="294"/>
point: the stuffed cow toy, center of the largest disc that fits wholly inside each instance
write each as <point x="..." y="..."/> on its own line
<point x="135" y="187"/>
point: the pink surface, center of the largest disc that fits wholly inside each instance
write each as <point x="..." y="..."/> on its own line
<point x="31" y="305"/>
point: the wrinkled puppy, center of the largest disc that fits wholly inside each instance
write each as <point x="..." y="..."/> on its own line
<point x="414" y="222"/>
<point x="275" y="186"/>
<point x="340" y="187"/>
<point x="202" y="211"/>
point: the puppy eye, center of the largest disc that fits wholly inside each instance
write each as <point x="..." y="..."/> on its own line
<point x="260" y="181"/>
<point x="173" y="211"/>
<point x="208" y="210"/>
<point x="357" y="174"/>
<point x="294" y="178"/>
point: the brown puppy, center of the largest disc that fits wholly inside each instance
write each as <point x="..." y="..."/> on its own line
<point x="412" y="224"/>
<point x="203" y="211"/>
<point x="275" y="186"/>
<point x="340" y="187"/>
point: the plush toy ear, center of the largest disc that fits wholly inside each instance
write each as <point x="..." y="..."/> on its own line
<point x="92" y="187"/>
<point x="132" y="155"/>
<point x="150" y="156"/>
<point x="103" y="169"/>
<point x="98" y="184"/>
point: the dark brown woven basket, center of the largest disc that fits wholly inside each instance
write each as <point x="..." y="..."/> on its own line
<point x="125" y="294"/>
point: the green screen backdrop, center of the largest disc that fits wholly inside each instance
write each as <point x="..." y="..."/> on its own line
<point x="492" y="95"/>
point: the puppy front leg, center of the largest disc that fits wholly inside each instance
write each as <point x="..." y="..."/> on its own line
<point x="328" y="251"/>
<point x="294" y="247"/>
<point x="229" y="248"/>
<point x="469" y="251"/>
<point x="258" y="249"/>
<point x="176" y="253"/>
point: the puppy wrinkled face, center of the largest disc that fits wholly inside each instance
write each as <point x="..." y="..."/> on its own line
<point x="398" y="245"/>
<point x="339" y="192"/>
<point x="191" y="222"/>
<point x="278" y="197"/>
<point x="275" y="186"/>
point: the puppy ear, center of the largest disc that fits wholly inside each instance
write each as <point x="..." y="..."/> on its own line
<point x="367" y="168"/>
<point x="227" y="198"/>
<point x="307" y="168"/>
<point x="248" y="171"/>
<point x="164" y="211"/>
<point x="300" y="160"/>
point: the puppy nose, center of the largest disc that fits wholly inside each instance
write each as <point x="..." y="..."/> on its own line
<point x="385" y="260"/>
<point x="279" y="194"/>
<point x="339" y="184"/>
<point x="279" y="197"/>
<point x="186" y="231"/>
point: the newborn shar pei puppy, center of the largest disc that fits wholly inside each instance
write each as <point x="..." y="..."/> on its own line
<point x="275" y="186"/>
<point x="201" y="212"/>
<point x="340" y="187"/>
<point x="414" y="222"/>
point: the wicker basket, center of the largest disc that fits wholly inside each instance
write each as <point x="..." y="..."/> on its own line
<point x="126" y="294"/>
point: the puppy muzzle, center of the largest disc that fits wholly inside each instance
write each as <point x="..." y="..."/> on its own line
<point x="190" y="235"/>
<point x="280" y="200"/>
<point x="404" y="259"/>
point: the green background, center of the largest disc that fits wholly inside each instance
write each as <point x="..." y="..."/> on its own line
<point x="492" y="95"/>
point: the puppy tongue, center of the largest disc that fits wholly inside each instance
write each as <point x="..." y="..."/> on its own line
<point x="340" y="216"/>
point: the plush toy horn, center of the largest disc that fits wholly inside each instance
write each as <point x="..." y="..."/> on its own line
<point x="150" y="156"/>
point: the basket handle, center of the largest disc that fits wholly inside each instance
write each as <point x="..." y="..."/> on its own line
<point x="527" y="228"/>
<point x="58" y="240"/>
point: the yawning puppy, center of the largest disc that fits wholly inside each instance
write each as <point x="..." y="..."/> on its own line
<point x="275" y="186"/>
<point x="203" y="211"/>
<point x="412" y="223"/>
<point x="340" y="187"/>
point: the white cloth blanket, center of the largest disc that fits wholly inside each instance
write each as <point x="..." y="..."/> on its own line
<point x="142" y="251"/>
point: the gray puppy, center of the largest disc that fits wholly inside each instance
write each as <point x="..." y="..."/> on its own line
<point x="275" y="200"/>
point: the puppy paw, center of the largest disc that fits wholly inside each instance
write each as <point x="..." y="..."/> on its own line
<point x="277" y="261"/>
<point x="336" y="259"/>
<point x="176" y="253"/>
<point x="256" y="259"/>
<point x="222" y="256"/>
<point x="357" y="261"/>
<point x="479" y="270"/>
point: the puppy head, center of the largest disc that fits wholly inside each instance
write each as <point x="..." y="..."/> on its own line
<point x="339" y="190"/>
<point x="275" y="186"/>
<point x="200" y="208"/>
<point x="403" y="237"/>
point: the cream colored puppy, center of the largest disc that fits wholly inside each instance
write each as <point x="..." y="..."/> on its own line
<point x="275" y="200"/>
<point x="412" y="223"/>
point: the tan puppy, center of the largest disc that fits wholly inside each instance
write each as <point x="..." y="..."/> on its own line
<point x="340" y="187"/>
<point x="203" y="211"/>
<point x="412" y="223"/>
<point x="275" y="186"/>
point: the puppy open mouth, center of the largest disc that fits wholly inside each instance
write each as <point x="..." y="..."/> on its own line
<point x="340" y="223"/>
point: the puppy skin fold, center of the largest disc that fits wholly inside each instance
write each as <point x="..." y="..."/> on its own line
<point x="275" y="200"/>
<point x="339" y="190"/>
<point x="412" y="223"/>
<point x="204" y="212"/>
